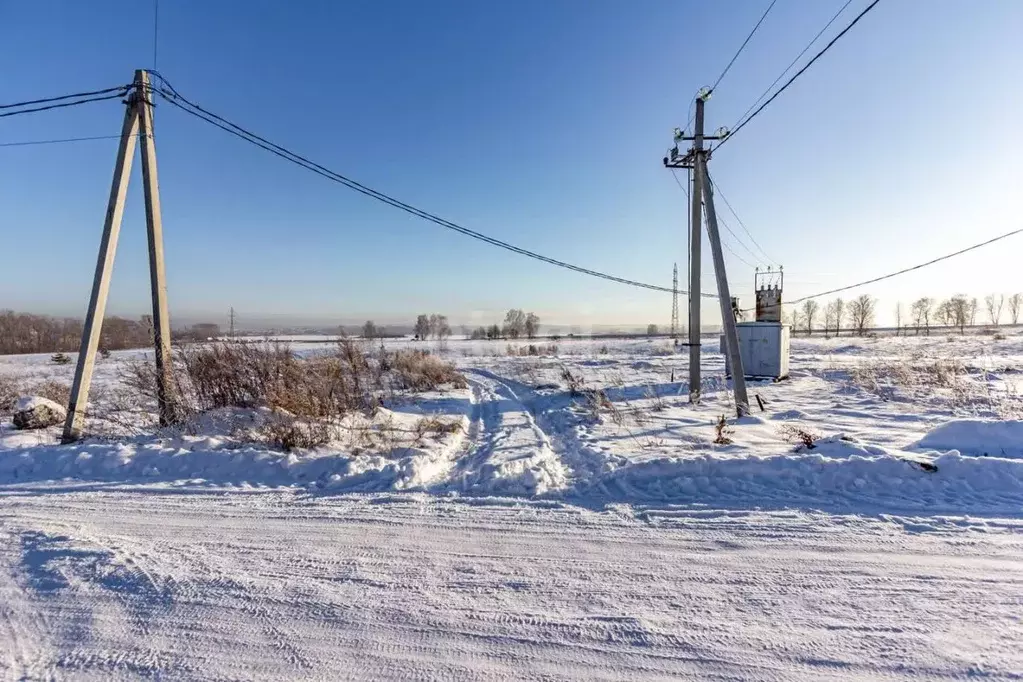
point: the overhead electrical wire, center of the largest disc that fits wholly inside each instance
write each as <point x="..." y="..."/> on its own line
<point x="60" y="105"/>
<point x="743" y="46"/>
<point x="717" y="190"/>
<point x="726" y="226"/>
<point x="172" y="96"/>
<point x="119" y="89"/>
<point x="793" y="62"/>
<point x="799" y="73"/>
<point x="909" y="269"/>
<point x="28" y="143"/>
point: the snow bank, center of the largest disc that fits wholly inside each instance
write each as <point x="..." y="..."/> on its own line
<point x="850" y="481"/>
<point x="977" y="437"/>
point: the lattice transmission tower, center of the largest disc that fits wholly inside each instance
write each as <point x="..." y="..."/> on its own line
<point x="674" y="303"/>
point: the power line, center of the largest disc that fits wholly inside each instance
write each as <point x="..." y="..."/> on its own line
<point x="120" y="88"/>
<point x="740" y="242"/>
<point x="61" y="105"/>
<point x="727" y="227"/>
<point x="800" y="72"/>
<point x="156" y="28"/>
<point x="174" y="98"/>
<point x="741" y="223"/>
<point x="793" y="62"/>
<point x="909" y="269"/>
<point x="743" y="46"/>
<point x="66" y="139"/>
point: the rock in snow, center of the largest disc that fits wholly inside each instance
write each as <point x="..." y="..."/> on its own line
<point x="36" y="412"/>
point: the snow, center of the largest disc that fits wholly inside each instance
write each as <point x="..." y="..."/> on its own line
<point x="32" y="402"/>
<point x="977" y="437"/>
<point x="866" y="524"/>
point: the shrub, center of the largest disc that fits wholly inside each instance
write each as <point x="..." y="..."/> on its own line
<point x="573" y="382"/>
<point x="60" y="359"/>
<point x="722" y="432"/>
<point x="795" y="433"/>
<point x="418" y="370"/>
<point x="104" y="353"/>
<point x="434" y="426"/>
<point x="9" y="393"/>
<point x="56" y="391"/>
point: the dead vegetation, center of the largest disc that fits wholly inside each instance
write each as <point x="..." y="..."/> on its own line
<point x="56" y="391"/>
<point x="722" y="432"/>
<point x="533" y="349"/>
<point x="800" y="435"/>
<point x="9" y="393"/>
<point x="306" y="397"/>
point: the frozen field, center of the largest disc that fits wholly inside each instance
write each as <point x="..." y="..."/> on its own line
<point x="603" y="535"/>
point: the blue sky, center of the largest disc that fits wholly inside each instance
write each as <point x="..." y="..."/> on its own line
<point x="539" y="122"/>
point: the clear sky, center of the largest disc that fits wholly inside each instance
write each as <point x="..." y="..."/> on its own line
<point x="540" y="122"/>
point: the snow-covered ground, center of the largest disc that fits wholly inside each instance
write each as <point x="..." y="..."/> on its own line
<point x="603" y="535"/>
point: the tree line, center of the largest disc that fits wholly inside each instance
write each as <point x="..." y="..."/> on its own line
<point x="858" y="314"/>
<point x="28" y="333"/>
<point x="517" y="324"/>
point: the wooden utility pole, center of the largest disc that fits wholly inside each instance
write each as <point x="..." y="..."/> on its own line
<point x="138" y="115"/>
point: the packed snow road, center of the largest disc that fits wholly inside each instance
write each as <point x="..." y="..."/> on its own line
<point x="100" y="582"/>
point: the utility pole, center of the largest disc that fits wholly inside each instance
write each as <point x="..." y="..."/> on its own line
<point x="695" y="207"/>
<point x="138" y="122"/>
<point x="674" y="304"/>
<point x="724" y="297"/>
<point x="696" y="160"/>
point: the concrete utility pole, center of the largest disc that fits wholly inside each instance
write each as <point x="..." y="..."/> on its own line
<point x="724" y="297"/>
<point x="138" y="115"/>
<point x="696" y="160"/>
<point x="695" y="206"/>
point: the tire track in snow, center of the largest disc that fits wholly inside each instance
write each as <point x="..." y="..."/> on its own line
<point x="511" y="454"/>
<point x="550" y="416"/>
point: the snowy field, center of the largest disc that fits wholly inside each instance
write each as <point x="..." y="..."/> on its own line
<point x="618" y="533"/>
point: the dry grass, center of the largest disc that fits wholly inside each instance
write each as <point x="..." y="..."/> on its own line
<point x="56" y="391"/>
<point x="418" y="370"/>
<point x="574" y="382"/>
<point x="432" y="426"/>
<point x="308" y="396"/>
<point x="722" y="432"/>
<point x="794" y="433"/>
<point x="10" y="391"/>
<point x="533" y="349"/>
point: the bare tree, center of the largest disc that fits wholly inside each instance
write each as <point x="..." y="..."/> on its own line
<point x="994" y="303"/>
<point x="795" y="319"/>
<point x="972" y="311"/>
<point x="443" y="329"/>
<point x="829" y="317"/>
<point x="532" y="326"/>
<point x="958" y="311"/>
<point x="839" y="315"/>
<point x="422" y="328"/>
<point x="369" y="330"/>
<point x="1015" y="304"/>
<point x="898" y="318"/>
<point x="922" y="313"/>
<point x="810" y="308"/>
<point x="514" y="323"/>
<point x="651" y="330"/>
<point x="861" y="313"/>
